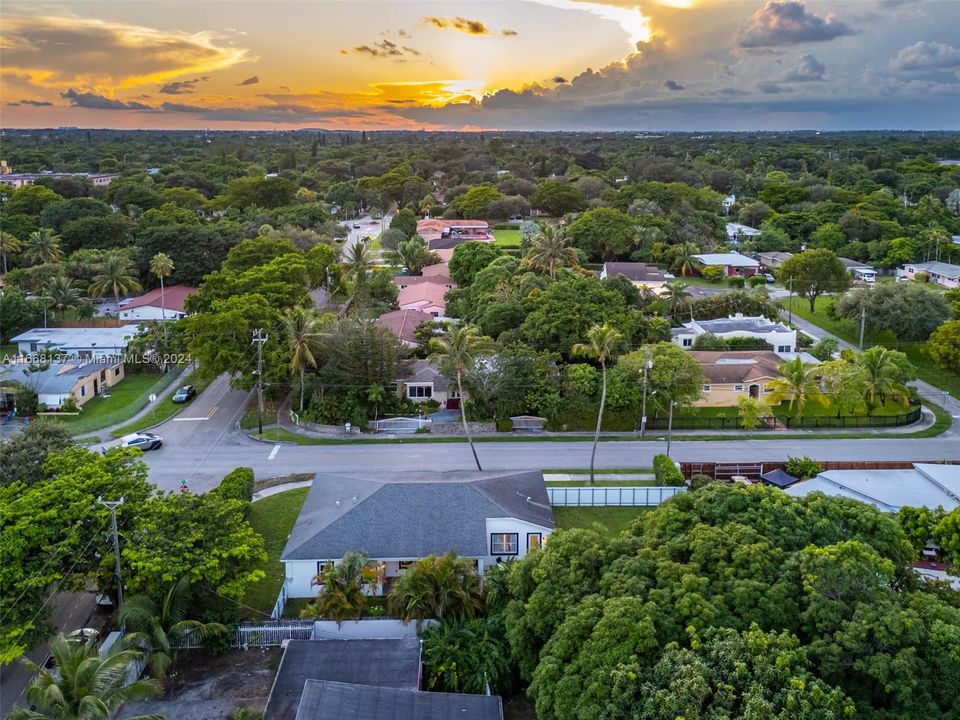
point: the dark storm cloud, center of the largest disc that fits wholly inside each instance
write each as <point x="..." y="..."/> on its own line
<point x="249" y="81"/>
<point x="92" y="101"/>
<point x="32" y="103"/>
<point x="183" y="87"/>
<point x="789" y="23"/>
<point x="383" y="49"/>
<point x="672" y="85"/>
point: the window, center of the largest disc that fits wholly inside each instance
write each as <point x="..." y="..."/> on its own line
<point x="116" y="372"/>
<point x="83" y="391"/>
<point x="534" y="541"/>
<point x="419" y="391"/>
<point x="738" y="388"/>
<point x="687" y="342"/>
<point x="783" y="348"/>
<point x="322" y="565"/>
<point x="404" y="564"/>
<point x="706" y="388"/>
<point x="103" y="375"/>
<point x="503" y="543"/>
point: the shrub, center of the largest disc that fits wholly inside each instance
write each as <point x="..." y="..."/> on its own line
<point x="69" y="405"/>
<point x="699" y="481"/>
<point x="237" y="485"/>
<point x="712" y="274"/>
<point x="736" y="282"/>
<point x="757" y="280"/>
<point x="666" y="471"/>
<point x="803" y="468"/>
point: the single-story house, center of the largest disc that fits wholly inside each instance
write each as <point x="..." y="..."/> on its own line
<point x="773" y="260"/>
<point x="731" y="375"/>
<point x="156" y="306"/>
<point x="399" y="518"/>
<point x="364" y="679"/>
<point x="923" y="485"/>
<point x="943" y="274"/>
<point x="781" y="338"/>
<point x="427" y="297"/>
<point x="438" y="274"/>
<point x="404" y="324"/>
<point x="737" y="232"/>
<point x="425" y="382"/>
<point x="859" y="270"/>
<point x="54" y="383"/>
<point x="733" y="263"/>
<point x="87" y="343"/>
<point x="442" y="234"/>
<point x="640" y="274"/>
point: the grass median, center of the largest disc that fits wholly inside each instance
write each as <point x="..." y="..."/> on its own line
<point x="164" y="409"/>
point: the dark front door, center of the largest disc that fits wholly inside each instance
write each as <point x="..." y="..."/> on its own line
<point x="754" y="391"/>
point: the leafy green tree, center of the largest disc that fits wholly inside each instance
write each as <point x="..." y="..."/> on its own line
<point x="93" y="231"/>
<point x="603" y="344"/>
<point x="603" y="233"/>
<point x="549" y="251"/>
<point x="946" y="532"/>
<point x="304" y="329"/>
<point x="813" y="273"/>
<point x="798" y="383"/>
<point x="470" y="258"/>
<point x="558" y="198"/>
<point x="62" y="295"/>
<point x="153" y="629"/>
<point x="749" y="412"/>
<point x="42" y="247"/>
<point x="391" y="238"/>
<point x="260" y="192"/>
<point x="9" y="246"/>
<point x="56" y="215"/>
<point x="406" y="222"/>
<point x="675" y="375"/>
<point x="437" y="587"/>
<point x="342" y="586"/>
<point x="883" y="376"/>
<point x="825" y="348"/>
<point x="677" y="297"/>
<point x="255" y="252"/>
<point x="909" y="310"/>
<point x="475" y="203"/>
<point x="944" y="346"/>
<point x="456" y="352"/>
<point x="195" y="250"/>
<point x="30" y="200"/>
<point x="116" y="276"/>
<point x="919" y="525"/>
<point x="22" y="457"/>
<point x="84" y="686"/>
<point x="467" y="656"/>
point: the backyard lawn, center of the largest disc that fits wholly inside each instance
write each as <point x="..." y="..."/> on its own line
<point x="610" y="521"/>
<point x="273" y="517"/>
<point x="126" y="399"/>
<point x="507" y="238"/>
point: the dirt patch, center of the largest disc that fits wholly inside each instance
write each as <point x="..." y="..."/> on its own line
<point x="205" y="687"/>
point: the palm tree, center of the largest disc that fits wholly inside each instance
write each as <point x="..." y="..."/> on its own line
<point x="358" y="262"/>
<point x="162" y="267"/>
<point x="413" y="254"/>
<point x="341" y="595"/>
<point x="550" y="251"/>
<point x="116" y="277"/>
<point x="62" y="295"/>
<point x="303" y="327"/>
<point x="84" y="686"/>
<point x="376" y="394"/>
<point x="799" y="382"/>
<point x="603" y="343"/>
<point x="9" y="245"/>
<point x="456" y="352"/>
<point x="683" y="259"/>
<point x="881" y="376"/>
<point x="152" y="627"/>
<point x="437" y="587"/>
<point x="43" y="246"/>
<point x="676" y="295"/>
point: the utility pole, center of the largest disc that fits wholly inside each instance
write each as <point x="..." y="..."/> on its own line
<point x="790" y="283"/>
<point x="259" y="338"/>
<point x="112" y="505"/>
<point x="670" y="427"/>
<point x="863" y="323"/>
<point x="643" y="412"/>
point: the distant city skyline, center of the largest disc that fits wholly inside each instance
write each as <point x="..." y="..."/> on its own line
<point x="682" y="65"/>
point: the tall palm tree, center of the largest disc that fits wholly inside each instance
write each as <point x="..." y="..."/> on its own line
<point x="84" y="686"/>
<point x="62" y="295"/>
<point x="602" y="346"/>
<point x="9" y="245"/>
<point x="43" y="246"/>
<point x="304" y="331"/>
<point x="676" y="294"/>
<point x="799" y="383"/>
<point x="881" y="375"/>
<point x="437" y="587"/>
<point x="413" y="254"/>
<point x="358" y="262"/>
<point x="550" y="251"/>
<point x="456" y="352"/>
<point x="116" y="277"/>
<point x="683" y="259"/>
<point x="152" y="627"/>
<point x="341" y="595"/>
<point x="162" y="267"/>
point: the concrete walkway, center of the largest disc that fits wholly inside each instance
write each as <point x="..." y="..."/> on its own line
<point x="277" y="489"/>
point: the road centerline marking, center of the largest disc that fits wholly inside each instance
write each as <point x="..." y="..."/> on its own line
<point x="273" y="453"/>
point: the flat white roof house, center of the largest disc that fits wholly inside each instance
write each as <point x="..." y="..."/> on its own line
<point x="398" y="518"/>
<point x="781" y="338"/>
<point x="87" y="343"/>
<point x="732" y="263"/>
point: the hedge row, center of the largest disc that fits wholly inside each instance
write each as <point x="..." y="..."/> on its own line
<point x="237" y="485"/>
<point x="666" y="472"/>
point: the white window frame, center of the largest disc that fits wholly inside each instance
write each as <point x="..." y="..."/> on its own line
<point x="706" y="388"/>
<point x="505" y="540"/>
<point x="426" y="395"/>
<point x="738" y="388"/>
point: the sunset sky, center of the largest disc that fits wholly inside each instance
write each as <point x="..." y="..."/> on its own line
<point x="538" y="64"/>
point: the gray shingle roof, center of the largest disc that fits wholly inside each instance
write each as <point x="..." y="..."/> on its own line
<point x="325" y="700"/>
<point x="938" y="268"/>
<point x="742" y="324"/>
<point x="411" y="515"/>
<point x="57" y="379"/>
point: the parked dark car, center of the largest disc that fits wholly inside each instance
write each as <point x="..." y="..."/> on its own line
<point x="184" y="394"/>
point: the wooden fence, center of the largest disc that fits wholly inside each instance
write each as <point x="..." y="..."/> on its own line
<point x="753" y="470"/>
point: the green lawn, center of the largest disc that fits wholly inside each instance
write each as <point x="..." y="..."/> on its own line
<point x="164" y="409"/>
<point x="611" y="520"/>
<point x="849" y="330"/>
<point x="8" y="351"/>
<point x="507" y="238"/>
<point x="273" y="517"/>
<point x="126" y="399"/>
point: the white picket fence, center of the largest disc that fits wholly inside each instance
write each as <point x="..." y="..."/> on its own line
<point x="264" y="634"/>
<point x="611" y="496"/>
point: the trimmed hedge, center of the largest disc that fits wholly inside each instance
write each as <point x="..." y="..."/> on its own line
<point x="666" y="472"/>
<point x="237" y="485"/>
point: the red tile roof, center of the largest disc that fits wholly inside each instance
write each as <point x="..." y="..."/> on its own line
<point x="404" y="323"/>
<point x="173" y="298"/>
<point x="424" y="295"/>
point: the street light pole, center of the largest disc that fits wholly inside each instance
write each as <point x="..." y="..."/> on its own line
<point x="670" y="427"/>
<point x="643" y="412"/>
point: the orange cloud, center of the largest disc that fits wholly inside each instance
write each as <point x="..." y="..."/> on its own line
<point x="464" y="25"/>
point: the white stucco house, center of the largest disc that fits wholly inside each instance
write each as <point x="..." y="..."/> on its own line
<point x="398" y="518"/>
<point x="781" y="338"/>
<point x="154" y="305"/>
